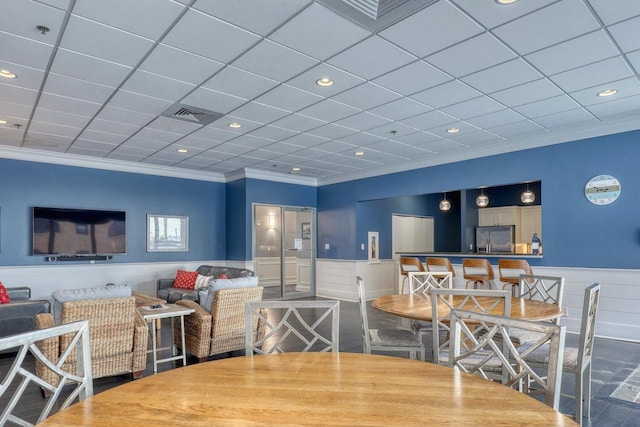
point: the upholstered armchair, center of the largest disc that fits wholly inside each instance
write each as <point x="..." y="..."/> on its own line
<point x="118" y="333"/>
<point x="222" y="329"/>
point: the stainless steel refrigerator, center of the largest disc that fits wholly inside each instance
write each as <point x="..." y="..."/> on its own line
<point x="498" y="239"/>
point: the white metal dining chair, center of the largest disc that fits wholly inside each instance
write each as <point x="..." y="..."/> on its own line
<point x="474" y="352"/>
<point x="287" y="326"/>
<point x="386" y="340"/>
<point x="577" y="360"/>
<point x="22" y="373"/>
<point x="423" y="282"/>
<point x="444" y="301"/>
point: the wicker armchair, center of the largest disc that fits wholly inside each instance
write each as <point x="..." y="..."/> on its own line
<point x="222" y="330"/>
<point x="118" y="334"/>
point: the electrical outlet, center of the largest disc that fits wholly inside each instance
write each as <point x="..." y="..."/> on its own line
<point x="362" y="246"/>
<point x="326" y="246"/>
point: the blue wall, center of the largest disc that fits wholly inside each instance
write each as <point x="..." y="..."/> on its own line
<point x="576" y="232"/>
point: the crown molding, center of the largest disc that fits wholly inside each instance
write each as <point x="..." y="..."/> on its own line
<point x="271" y="176"/>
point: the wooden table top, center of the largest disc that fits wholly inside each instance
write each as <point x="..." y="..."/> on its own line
<point x="310" y="389"/>
<point x="418" y="307"/>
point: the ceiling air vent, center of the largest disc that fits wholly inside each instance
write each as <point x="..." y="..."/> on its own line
<point x="191" y="114"/>
<point x="376" y="15"/>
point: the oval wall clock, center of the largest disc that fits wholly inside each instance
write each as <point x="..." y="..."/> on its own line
<point x="602" y="189"/>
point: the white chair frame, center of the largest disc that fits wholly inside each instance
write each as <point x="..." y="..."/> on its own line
<point x="424" y="281"/>
<point x="493" y="345"/>
<point x="79" y="347"/>
<point x="549" y="289"/>
<point x="276" y="334"/>
<point x="400" y="340"/>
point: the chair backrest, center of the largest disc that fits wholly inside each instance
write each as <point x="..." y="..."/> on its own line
<point x="588" y="326"/>
<point x="22" y="371"/>
<point x="481" y="353"/>
<point x="421" y="282"/>
<point x="440" y="264"/>
<point x="477" y="267"/>
<point x="549" y="289"/>
<point x="511" y="269"/>
<point x="362" y="303"/>
<point x="287" y="325"/>
<point x="444" y="301"/>
<point x="228" y="318"/>
<point x="408" y="264"/>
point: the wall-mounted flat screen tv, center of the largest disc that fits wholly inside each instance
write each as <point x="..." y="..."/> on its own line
<point x="59" y="231"/>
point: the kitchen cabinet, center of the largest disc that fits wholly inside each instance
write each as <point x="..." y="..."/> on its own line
<point x="506" y="215"/>
<point x="531" y="220"/>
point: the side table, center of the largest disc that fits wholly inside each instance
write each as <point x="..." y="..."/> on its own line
<point x="166" y="311"/>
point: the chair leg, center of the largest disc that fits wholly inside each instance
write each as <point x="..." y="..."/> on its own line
<point x="586" y="392"/>
<point x="579" y="396"/>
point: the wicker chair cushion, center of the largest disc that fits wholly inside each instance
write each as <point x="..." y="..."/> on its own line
<point x="207" y="297"/>
<point x="99" y="292"/>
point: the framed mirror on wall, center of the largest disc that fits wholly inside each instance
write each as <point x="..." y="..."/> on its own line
<point x="167" y="233"/>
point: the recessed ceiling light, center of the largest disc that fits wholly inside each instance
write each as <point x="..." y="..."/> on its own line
<point x="182" y="150"/>
<point x="3" y="122"/>
<point x="8" y="74"/>
<point x="295" y="169"/>
<point x="506" y="1"/>
<point x="453" y="130"/>
<point x="359" y="153"/>
<point x="325" y="81"/>
<point x="607" y="92"/>
<point x="234" y="125"/>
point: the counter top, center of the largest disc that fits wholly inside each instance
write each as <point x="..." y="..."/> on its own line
<point x="470" y="255"/>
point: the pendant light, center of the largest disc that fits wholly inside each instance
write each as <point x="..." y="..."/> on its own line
<point x="528" y="196"/>
<point x="445" y="205"/>
<point x="482" y="201"/>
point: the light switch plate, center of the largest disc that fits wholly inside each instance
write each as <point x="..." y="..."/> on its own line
<point x="326" y="246"/>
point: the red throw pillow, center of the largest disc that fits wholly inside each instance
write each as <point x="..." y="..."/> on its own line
<point x="185" y="279"/>
<point x="223" y="276"/>
<point x="4" y="297"/>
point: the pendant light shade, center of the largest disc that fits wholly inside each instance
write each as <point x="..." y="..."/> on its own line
<point x="445" y="205"/>
<point x="528" y="196"/>
<point x="482" y="201"/>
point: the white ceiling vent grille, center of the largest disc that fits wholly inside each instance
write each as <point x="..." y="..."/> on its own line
<point x="191" y="114"/>
<point x="376" y="15"/>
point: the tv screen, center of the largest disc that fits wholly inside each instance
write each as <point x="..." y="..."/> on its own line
<point x="78" y="232"/>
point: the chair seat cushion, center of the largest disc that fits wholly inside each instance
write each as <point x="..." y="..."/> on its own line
<point x="207" y="297"/>
<point x="541" y="355"/>
<point x="393" y="338"/>
<point x="108" y="291"/>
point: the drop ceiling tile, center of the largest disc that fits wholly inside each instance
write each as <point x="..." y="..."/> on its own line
<point x="565" y="119"/>
<point x="517" y="130"/>
<point x="497" y="118"/>
<point x="68" y="105"/>
<point x="137" y="20"/>
<point x="234" y="149"/>
<point x="284" y="148"/>
<point x="547" y="106"/>
<point x="154" y="85"/>
<point x="392" y="130"/>
<point x="634" y="58"/>
<point x="475" y="139"/>
<point x="86" y="144"/>
<point x="191" y="141"/>
<point x="593" y="74"/>
<point x="250" y="141"/>
<point x="329" y="110"/>
<point x="239" y="82"/>
<point x="16" y="113"/>
<point x="11" y="136"/>
<point x="273" y="133"/>
<point x="112" y="127"/>
<point x="418" y="138"/>
<point x="173" y="151"/>
<point x="332" y="131"/>
<point x="158" y="135"/>
<point x="43" y="141"/>
<point x="626" y="34"/>
<point x="121" y="115"/>
<point x="592" y="47"/>
<point x="361" y="139"/>
<point x="446" y="94"/>
<point x="138" y="103"/>
<point x="105" y="42"/>
<point x="491" y="14"/>
<point x="629" y="106"/>
<point x="319" y="32"/>
<point x="443" y="146"/>
<point x="366" y="96"/>
<point x="215" y="155"/>
<point x="107" y="137"/>
<point x="464" y="128"/>
<point x="212" y="38"/>
<point x="116" y="155"/>
<point x="53" y="116"/>
<point x="553" y="19"/>
<point x="401" y="109"/>
<point x="257" y="16"/>
<point x="78" y="89"/>
<point x="429" y="30"/>
<point x="363" y="59"/>
<point x="246" y="125"/>
<point x="472" y="55"/>
<point x="413" y="78"/>
<point x="626" y="87"/>
<point x="611" y="14"/>
<point x="80" y="151"/>
<point x="363" y="121"/>
<point x="212" y="100"/>
<point x="473" y="107"/>
<point x="298" y="123"/>
<point x="14" y="12"/>
<point x="526" y="93"/>
<point x="288" y="98"/>
<point x="334" y="147"/>
<point x="397" y="149"/>
<point x="503" y="76"/>
<point x="21" y="51"/>
<point x="260" y="60"/>
<point x="263" y="154"/>
<point x="54" y="129"/>
<point x="342" y="80"/>
<point x="215" y="134"/>
<point x="58" y="4"/>
<point x="14" y="94"/>
<point x="147" y="144"/>
<point x="28" y="78"/>
<point x="193" y="69"/>
<point x="379" y="157"/>
<point x="429" y="120"/>
<point x="173" y="125"/>
<point x="86" y="67"/>
<point x="259" y="112"/>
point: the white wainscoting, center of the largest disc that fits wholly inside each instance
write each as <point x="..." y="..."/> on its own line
<point x="618" y="313"/>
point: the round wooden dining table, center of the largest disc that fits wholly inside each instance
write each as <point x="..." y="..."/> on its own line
<point x="310" y="389"/>
<point x="418" y="307"/>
